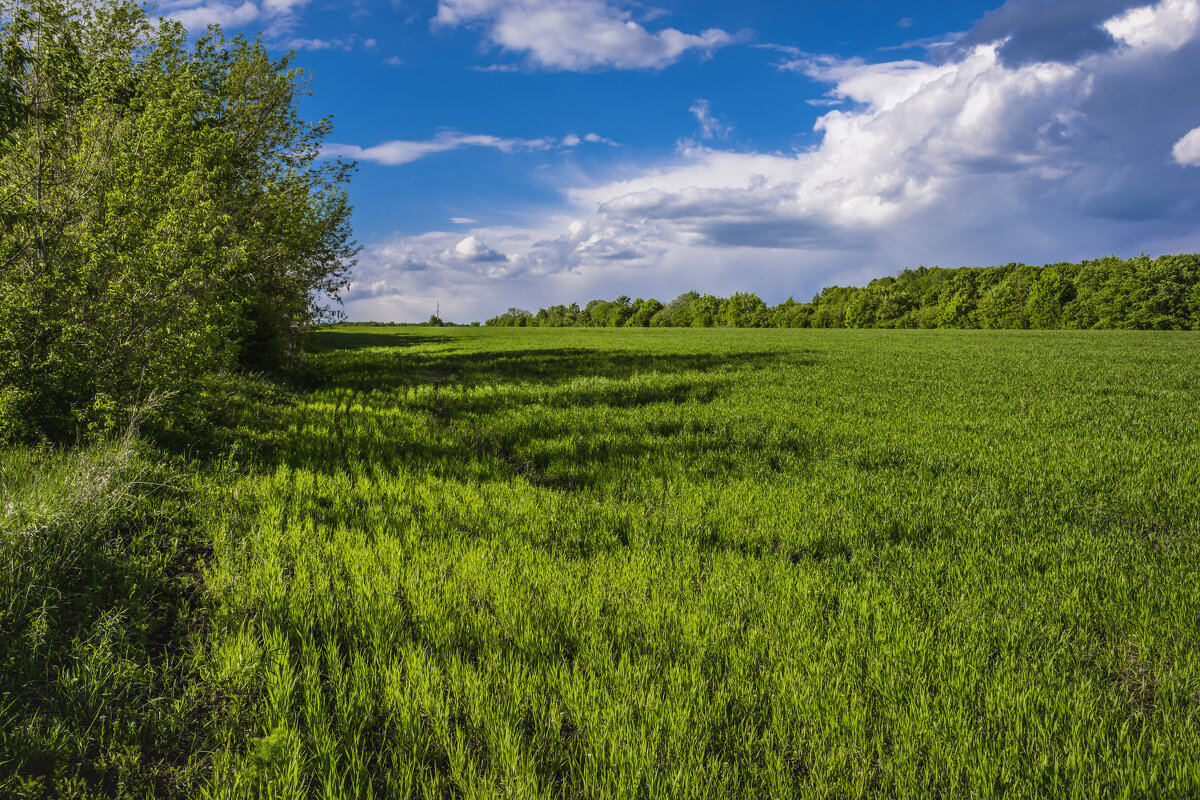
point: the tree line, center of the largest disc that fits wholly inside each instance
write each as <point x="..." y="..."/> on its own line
<point x="164" y="214"/>
<point x="1137" y="293"/>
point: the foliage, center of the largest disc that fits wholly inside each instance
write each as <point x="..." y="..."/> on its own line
<point x="722" y="563"/>
<point x="97" y="593"/>
<point x="1160" y="294"/>
<point x="164" y="211"/>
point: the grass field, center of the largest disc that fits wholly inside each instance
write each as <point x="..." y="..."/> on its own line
<point x="718" y="563"/>
<point x="628" y="563"/>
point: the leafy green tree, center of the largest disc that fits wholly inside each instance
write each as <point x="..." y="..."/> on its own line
<point x="830" y="307"/>
<point x="1194" y="306"/>
<point x="513" y="318"/>
<point x="706" y="311"/>
<point x="1048" y="297"/>
<point x="1006" y="303"/>
<point x="1105" y="293"/>
<point x="677" y="313"/>
<point x="643" y="312"/>
<point x="165" y="213"/>
<point x="790" y="314"/>
<point x="956" y="312"/>
<point x="743" y="310"/>
<point x="609" y="314"/>
<point x="862" y="309"/>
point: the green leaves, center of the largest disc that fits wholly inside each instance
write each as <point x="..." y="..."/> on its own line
<point x="1141" y="294"/>
<point x="165" y="214"/>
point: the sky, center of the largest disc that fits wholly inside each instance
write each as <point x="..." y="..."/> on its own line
<point x="533" y="152"/>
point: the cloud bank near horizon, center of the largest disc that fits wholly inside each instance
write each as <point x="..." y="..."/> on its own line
<point x="985" y="157"/>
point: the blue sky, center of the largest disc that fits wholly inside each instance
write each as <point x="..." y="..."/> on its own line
<point x="530" y="152"/>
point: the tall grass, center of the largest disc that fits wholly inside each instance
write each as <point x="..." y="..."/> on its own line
<point x="716" y="564"/>
<point x="94" y="599"/>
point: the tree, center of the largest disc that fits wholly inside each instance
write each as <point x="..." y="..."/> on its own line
<point x="743" y="310"/>
<point x="706" y="310"/>
<point x="164" y="210"/>
<point x="1047" y="298"/>
<point x="1006" y="303"/>
<point x="643" y="312"/>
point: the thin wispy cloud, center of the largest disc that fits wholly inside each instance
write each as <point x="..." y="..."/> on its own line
<point x="399" y="151"/>
<point x="710" y="126"/>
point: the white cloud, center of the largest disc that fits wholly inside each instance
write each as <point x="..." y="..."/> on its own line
<point x="227" y="16"/>
<point x="920" y="130"/>
<point x="574" y="140"/>
<point x="710" y="126"/>
<point x="922" y="144"/>
<point x="1168" y="25"/>
<point x="497" y="68"/>
<point x="401" y="151"/>
<point x="346" y="44"/>
<point x="474" y="250"/>
<point x="320" y="44"/>
<point x="577" y="35"/>
<point x="397" y="279"/>
<point x="279" y="16"/>
<point x="596" y="138"/>
<point x="1187" y="150"/>
<point x="976" y="159"/>
<point x="464" y="220"/>
<point x="282" y="7"/>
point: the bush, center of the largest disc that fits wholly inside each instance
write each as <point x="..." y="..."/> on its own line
<point x="165" y="213"/>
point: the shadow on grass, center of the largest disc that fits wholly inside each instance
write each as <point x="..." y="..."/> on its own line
<point x="399" y="369"/>
<point x="385" y="402"/>
<point x="494" y="414"/>
<point x="323" y="341"/>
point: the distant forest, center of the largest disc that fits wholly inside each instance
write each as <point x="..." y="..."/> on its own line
<point x="1138" y="293"/>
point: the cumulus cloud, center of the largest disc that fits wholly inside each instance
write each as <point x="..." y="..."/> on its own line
<point x="922" y="139"/>
<point x="577" y="35"/>
<point x="1167" y="26"/>
<point x="1187" y="150"/>
<point x="467" y="274"/>
<point x="474" y="250"/>
<point x="983" y="157"/>
<point x="918" y="132"/>
<point x="1031" y="31"/>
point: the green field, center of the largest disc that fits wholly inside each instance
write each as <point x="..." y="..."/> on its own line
<point x="589" y="563"/>
<point x="721" y="563"/>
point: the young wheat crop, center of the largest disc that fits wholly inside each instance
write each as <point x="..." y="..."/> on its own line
<point x="719" y="563"/>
